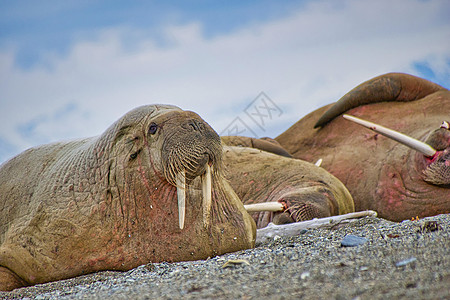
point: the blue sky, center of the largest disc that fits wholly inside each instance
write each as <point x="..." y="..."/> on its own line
<point x="68" y="69"/>
<point x="38" y="27"/>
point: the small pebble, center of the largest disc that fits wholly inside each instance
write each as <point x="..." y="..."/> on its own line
<point x="352" y="241"/>
<point x="304" y="275"/>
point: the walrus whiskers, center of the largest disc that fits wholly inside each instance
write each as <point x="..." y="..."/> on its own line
<point x="181" y="194"/>
<point x="207" y="195"/>
<point x="296" y="211"/>
<point x="177" y="170"/>
<point x="395" y="135"/>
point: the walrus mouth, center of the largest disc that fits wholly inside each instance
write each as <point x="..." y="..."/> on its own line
<point x="206" y="192"/>
<point x="184" y="164"/>
<point x="408" y="141"/>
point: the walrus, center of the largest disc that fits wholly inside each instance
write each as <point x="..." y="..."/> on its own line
<point x="381" y="174"/>
<point x="265" y="143"/>
<point x="263" y="173"/>
<point x="149" y="189"/>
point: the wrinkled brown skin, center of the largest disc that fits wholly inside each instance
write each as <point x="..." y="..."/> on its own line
<point x="104" y="203"/>
<point x="307" y="191"/>
<point x="382" y="174"/>
<point x="266" y="144"/>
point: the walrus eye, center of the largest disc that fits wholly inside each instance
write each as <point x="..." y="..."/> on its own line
<point x="135" y="154"/>
<point x="152" y="129"/>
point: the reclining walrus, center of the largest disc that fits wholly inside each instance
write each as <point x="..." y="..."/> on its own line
<point x="381" y="174"/>
<point x="305" y="190"/>
<point x="149" y="189"/>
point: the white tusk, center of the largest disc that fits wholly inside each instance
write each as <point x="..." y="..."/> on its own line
<point x="319" y="162"/>
<point x="395" y="135"/>
<point x="207" y="195"/>
<point x="181" y="195"/>
<point x="445" y="125"/>
<point x="265" y="206"/>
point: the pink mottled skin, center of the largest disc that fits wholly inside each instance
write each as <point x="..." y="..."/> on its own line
<point x="382" y="174"/>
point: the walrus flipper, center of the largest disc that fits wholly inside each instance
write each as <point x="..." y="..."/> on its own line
<point x="9" y="280"/>
<point x="398" y="87"/>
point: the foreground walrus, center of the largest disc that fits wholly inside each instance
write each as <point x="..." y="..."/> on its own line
<point x="381" y="174"/>
<point x="110" y="202"/>
<point x="305" y="190"/>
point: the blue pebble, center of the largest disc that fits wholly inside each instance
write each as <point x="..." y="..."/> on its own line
<point x="352" y="241"/>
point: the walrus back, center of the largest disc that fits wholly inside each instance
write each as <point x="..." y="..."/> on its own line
<point x="25" y="179"/>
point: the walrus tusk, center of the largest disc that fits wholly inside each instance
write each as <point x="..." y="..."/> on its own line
<point x="319" y="162"/>
<point x="265" y="206"/>
<point x="395" y="135"/>
<point x="181" y="195"/>
<point x="207" y="194"/>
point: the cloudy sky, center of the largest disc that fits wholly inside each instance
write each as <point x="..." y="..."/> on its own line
<point x="68" y="69"/>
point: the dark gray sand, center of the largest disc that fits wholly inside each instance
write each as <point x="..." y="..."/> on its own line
<point x="408" y="260"/>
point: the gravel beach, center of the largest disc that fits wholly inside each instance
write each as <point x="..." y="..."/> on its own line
<point x="384" y="260"/>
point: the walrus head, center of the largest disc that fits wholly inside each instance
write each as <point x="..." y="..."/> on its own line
<point x="192" y="149"/>
<point x="433" y="157"/>
<point x="169" y="161"/>
<point x="294" y="190"/>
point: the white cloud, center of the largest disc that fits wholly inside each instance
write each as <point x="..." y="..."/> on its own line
<point x="302" y="62"/>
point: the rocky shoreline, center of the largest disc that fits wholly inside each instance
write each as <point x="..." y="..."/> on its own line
<point x="389" y="261"/>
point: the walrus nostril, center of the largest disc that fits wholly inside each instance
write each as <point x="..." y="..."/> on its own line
<point x="208" y="158"/>
<point x="196" y="125"/>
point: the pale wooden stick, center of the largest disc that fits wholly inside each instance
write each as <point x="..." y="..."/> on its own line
<point x="270" y="231"/>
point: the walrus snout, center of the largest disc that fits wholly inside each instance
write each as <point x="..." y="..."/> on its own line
<point x="191" y="145"/>
<point x="437" y="170"/>
<point x="308" y="203"/>
<point x="193" y="150"/>
<point x="203" y="161"/>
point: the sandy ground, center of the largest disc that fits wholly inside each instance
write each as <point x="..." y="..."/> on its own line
<point x="408" y="260"/>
